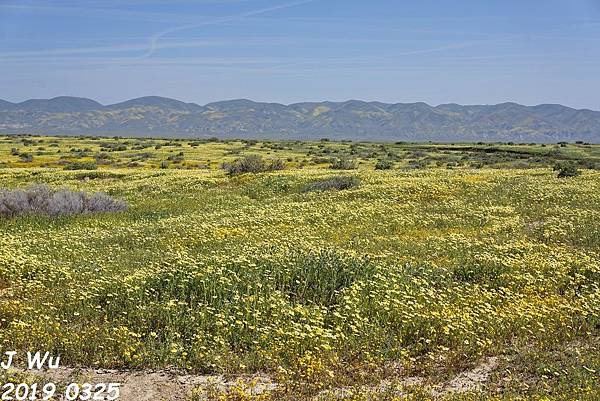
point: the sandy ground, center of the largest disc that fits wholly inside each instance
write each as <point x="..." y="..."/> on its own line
<point x="164" y="385"/>
<point x="151" y="385"/>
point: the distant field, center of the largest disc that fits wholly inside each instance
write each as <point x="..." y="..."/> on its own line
<point x="463" y="271"/>
<point x="58" y="152"/>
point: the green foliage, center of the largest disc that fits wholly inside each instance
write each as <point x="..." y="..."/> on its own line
<point x="334" y="183"/>
<point x="81" y="166"/>
<point x="343" y="164"/>
<point x="26" y="157"/>
<point x="94" y="175"/>
<point x="252" y="164"/>
<point x="566" y="170"/>
<point x="320" y="277"/>
<point x="384" y="165"/>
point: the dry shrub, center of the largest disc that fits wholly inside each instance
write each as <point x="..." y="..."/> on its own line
<point x="252" y="164"/>
<point x="42" y="200"/>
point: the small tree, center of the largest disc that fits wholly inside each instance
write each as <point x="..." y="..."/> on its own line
<point x="566" y="170"/>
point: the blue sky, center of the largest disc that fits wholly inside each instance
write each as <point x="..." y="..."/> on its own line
<point x="469" y="52"/>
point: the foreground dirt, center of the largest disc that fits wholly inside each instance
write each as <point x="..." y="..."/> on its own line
<point x="165" y="385"/>
<point x="152" y="385"/>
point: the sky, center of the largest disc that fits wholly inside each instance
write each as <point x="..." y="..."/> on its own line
<point x="286" y="51"/>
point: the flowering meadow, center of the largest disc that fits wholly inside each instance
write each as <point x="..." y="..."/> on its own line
<point x="408" y="276"/>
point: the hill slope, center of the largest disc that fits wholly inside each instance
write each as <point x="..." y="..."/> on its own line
<point x="357" y="120"/>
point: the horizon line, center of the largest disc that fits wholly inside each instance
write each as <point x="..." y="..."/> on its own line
<point x="297" y="102"/>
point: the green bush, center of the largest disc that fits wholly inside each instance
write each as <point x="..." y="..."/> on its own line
<point x="252" y="164"/>
<point x="343" y="164"/>
<point x="81" y="166"/>
<point x="334" y="183"/>
<point x="566" y="170"/>
<point x="94" y="175"/>
<point x="383" y="165"/>
<point x="26" y="157"/>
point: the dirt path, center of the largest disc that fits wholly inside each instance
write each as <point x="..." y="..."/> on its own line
<point x="151" y="385"/>
<point x="165" y="385"/>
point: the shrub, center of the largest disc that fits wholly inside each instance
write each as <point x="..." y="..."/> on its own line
<point x="94" y="175"/>
<point x="566" y="170"/>
<point x="178" y="158"/>
<point x="276" y="164"/>
<point x="421" y="164"/>
<point x="26" y="157"/>
<point x="343" y="164"/>
<point x="334" y="183"/>
<point x="320" y="160"/>
<point x="383" y="165"/>
<point x="81" y="166"/>
<point x="252" y="164"/>
<point x="103" y="158"/>
<point x="42" y="200"/>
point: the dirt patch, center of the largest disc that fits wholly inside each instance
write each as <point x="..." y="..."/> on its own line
<point x="474" y="379"/>
<point x="395" y="386"/>
<point x="171" y="385"/>
<point x="151" y="385"/>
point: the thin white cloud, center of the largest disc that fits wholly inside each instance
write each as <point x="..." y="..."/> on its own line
<point x="96" y="12"/>
<point x="70" y="56"/>
<point x="153" y="42"/>
<point x="154" y="39"/>
<point x="132" y="47"/>
<point x="154" y="62"/>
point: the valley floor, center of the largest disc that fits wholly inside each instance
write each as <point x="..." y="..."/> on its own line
<point x="414" y="284"/>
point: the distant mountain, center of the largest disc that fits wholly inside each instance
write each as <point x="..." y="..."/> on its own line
<point x="353" y="119"/>
<point x="62" y="104"/>
<point x="156" y="101"/>
<point x="4" y="105"/>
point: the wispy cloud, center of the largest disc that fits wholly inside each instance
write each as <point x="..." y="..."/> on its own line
<point x="112" y="9"/>
<point x="99" y="12"/>
<point x="153" y="42"/>
<point x="154" y="39"/>
<point x="153" y="62"/>
<point x="133" y="47"/>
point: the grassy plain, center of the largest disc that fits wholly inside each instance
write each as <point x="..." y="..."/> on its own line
<point x="458" y="257"/>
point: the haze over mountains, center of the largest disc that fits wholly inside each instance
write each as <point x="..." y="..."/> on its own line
<point x="355" y="120"/>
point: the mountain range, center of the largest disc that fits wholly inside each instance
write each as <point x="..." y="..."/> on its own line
<point x="155" y="116"/>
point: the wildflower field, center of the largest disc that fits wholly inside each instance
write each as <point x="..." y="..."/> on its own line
<point x="362" y="284"/>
